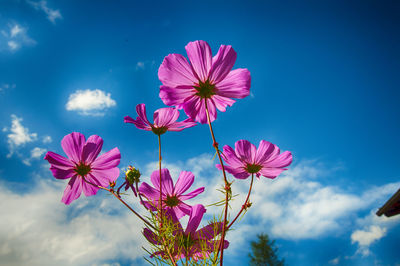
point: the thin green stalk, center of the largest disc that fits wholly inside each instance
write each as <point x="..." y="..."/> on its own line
<point x="244" y="206"/>
<point x="227" y="185"/>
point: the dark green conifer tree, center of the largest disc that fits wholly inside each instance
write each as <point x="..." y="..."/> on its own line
<point x="264" y="252"/>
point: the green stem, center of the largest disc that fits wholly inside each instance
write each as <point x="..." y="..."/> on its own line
<point x="244" y="206"/>
<point x="227" y="186"/>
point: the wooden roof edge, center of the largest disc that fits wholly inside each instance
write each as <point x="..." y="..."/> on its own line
<point x="386" y="206"/>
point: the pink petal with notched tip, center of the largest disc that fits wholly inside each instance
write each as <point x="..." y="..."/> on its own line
<point x="264" y="151"/>
<point x="200" y="56"/>
<point x="88" y="189"/>
<point x="235" y="85"/>
<point x="73" y="190"/>
<point x="166" y="181"/>
<point x="245" y="151"/>
<point x="176" y="96"/>
<point x="192" y="194"/>
<point x="221" y="102"/>
<point x="163" y="117"/>
<point x="58" y="161"/>
<point x="176" y="71"/>
<point x="72" y="145"/>
<point x="238" y="172"/>
<point x="184" y="182"/>
<point x="107" y="160"/>
<point x="179" y="126"/>
<point x="91" y="149"/>
<point x="210" y="231"/>
<point x="194" y="107"/>
<point x="195" y="218"/>
<point x="282" y="160"/>
<point x="222" y="63"/>
<point x="149" y="192"/>
<point x="139" y="123"/>
<point x="231" y="158"/>
<point x="105" y="176"/>
<point x="141" y="111"/>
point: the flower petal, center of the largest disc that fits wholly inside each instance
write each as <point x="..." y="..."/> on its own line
<point x="62" y="174"/>
<point x="72" y="145"/>
<point x="182" y="209"/>
<point x="210" y="231"/>
<point x="245" y="151"/>
<point x="91" y="149"/>
<point x="73" y="190"/>
<point x="88" y="189"/>
<point x="282" y="160"/>
<point x="179" y="126"/>
<point x="176" y="96"/>
<point x="237" y="172"/>
<point x="176" y="71"/>
<point x="105" y="176"/>
<point x="194" y="108"/>
<point x="195" y="218"/>
<point x="107" y="160"/>
<point x="141" y="111"/>
<point x="166" y="180"/>
<point x="58" y="161"/>
<point x="185" y="180"/>
<point x="231" y="158"/>
<point x="200" y="56"/>
<point x="149" y="192"/>
<point x="271" y="172"/>
<point x="235" y="85"/>
<point x="164" y="117"/>
<point x="222" y="102"/>
<point x="139" y="123"/>
<point x="222" y="63"/>
<point x="151" y="237"/>
<point x="264" y="151"/>
<point x="192" y="194"/>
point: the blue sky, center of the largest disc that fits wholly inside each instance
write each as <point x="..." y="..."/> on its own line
<point x="324" y="86"/>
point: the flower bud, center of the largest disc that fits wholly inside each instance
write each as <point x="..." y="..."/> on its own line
<point x="132" y="175"/>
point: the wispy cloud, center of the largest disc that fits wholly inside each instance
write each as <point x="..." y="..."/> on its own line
<point x="39" y="230"/>
<point x="90" y="102"/>
<point x="14" y="36"/>
<point x="52" y="14"/>
<point x="141" y="65"/>
<point x="47" y="139"/>
<point x="36" y="154"/>
<point x="18" y="136"/>
<point x="366" y="237"/>
<point x="6" y="86"/>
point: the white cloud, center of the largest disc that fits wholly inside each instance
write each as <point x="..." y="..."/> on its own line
<point x="334" y="261"/>
<point x="6" y="86"/>
<point x="16" y="30"/>
<point x="366" y="237"/>
<point x="15" y="37"/>
<point x="52" y="14"/>
<point x="18" y="136"/>
<point x="141" y="65"/>
<point x="40" y="230"/>
<point x="36" y="153"/>
<point x="90" y="102"/>
<point x="47" y="139"/>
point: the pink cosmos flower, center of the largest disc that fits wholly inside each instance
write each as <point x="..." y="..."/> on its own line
<point x="206" y="78"/>
<point x="82" y="162"/>
<point x="172" y="196"/>
<point x="190" y="243"/>
<point x="246" y="159"/>
<point x="164" y="120"/>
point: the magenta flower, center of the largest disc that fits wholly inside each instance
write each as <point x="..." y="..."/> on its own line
<point x="82" y="162"/>
<point x="164" y="120"/>
<point x="191" y="243"/>
<point x="172" y="196"/>
<point x="206" y="78"/>
<point x="246" y="159"/>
